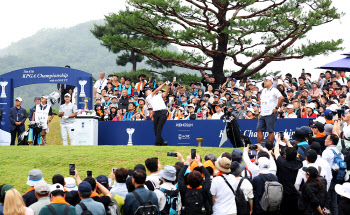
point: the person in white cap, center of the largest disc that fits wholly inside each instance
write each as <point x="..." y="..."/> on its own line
<point x="18" y="116"/>
<point x="270" y="100"/>
<point x="343" y="190"/>
<point x="41" y="114"/>
<point x="310" y="113"/>
<point x="290" y="112"/>
<point x="67" y="112"/>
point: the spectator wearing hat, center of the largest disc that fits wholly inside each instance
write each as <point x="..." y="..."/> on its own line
<point x="328" y="115"/>
<point x="343" y="190"/>
<point x="271" y="100"/>
<point x="342" y="102"/>
<point x="87" y="202"/>
<point x="258" y="182"/>
<point x="42" y="191"/>
<point x="18" y="116"/>
<point x="191" y="112"/>
<point x="58" y="203"/>
<point x="67" y="112"/>
<point x="132" y="201"/>
<point x="167" y="188"/>
<point x="223" y="197"/>
<point x="41" y="114"/>
<point x="70" y="184"/>
<point x="180" y="113"/>
<point x="3" y="189"/>
<point x="299" y="138"/>
<point x="290" y="112"/>
<point x="249" y="114"/>
<point x="72" y="197"/>
<point x="238" y="113"/>
<point x="13" y="202"/>
<point x="319" y="135"/>
<point x="35" y="176"/>
<point x="287" y="169"/>
<point x="309" y="113"/>
<point x="312" y="191"/>
<point x="242" y="182"/>
<point x="209" y="80"/>
<point x="315" y="92"/>
<point x="218" y="112"/>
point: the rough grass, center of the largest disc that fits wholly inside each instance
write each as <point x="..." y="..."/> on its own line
<point x="52" y="159"/>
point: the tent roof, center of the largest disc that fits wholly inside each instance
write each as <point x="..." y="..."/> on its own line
<point x="338" y="65"/>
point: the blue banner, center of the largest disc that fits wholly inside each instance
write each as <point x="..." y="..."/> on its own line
<point x="184" y="132"/>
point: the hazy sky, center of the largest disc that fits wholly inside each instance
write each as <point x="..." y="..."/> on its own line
<point x="23" y="18"/>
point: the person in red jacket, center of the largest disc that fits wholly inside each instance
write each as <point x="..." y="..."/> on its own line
<point x="310" y="111"/>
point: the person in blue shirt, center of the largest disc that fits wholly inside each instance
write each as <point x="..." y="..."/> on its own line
<point x="130" y="112"/>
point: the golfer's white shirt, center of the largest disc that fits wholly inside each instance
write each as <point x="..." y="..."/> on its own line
<point x="156" y="102"/>
<point x="269" y="100"/>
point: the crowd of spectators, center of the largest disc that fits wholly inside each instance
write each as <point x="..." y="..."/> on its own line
<point x="301" y="174"/>
<point x="304" y="97"/>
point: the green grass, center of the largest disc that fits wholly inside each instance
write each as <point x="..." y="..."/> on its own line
<point x="16" y="162"/>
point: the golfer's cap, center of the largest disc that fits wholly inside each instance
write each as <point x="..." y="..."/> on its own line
<point x="19" y="99"/>
<point x="290" y="106"/>
<point x="44" y="97"/>
<point x="67" y="95"/>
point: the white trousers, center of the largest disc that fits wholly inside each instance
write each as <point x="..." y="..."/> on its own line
<point x="68" y="129"/>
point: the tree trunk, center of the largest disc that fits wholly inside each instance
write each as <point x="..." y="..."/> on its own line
<point x="133" y="60"/>
<point x="219" y="60"/>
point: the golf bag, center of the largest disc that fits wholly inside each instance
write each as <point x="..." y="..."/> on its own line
<point x="32" y="135"/>
<point x="237" y="138"/>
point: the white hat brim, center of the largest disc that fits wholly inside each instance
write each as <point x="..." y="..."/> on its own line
<point x="339" y="189"/>
<point x="33" y="183"/>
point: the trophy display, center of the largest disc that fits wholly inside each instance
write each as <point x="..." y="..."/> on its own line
<point x="82" y="85"/>
<point x="3" y="85"/>
<point x="86" y="102"/>
<point x="199" y="141"/>
<point x="130" y="131"/>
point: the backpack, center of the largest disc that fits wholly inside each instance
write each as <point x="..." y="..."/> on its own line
<point x="272" y="196"/>
<point x="242" y="205"/>
<point x="113" y="208"/>
<point x="65" y="212"/>
<point x="346" y="152"/>
<point x="85" y="210"/>
<point x="338" y="175"/>
<point x="194" y="202"/>
<point x="145" y="207"/>
<point x="172" y="198"/>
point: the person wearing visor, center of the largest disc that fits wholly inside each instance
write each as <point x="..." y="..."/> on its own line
<point x="67" y="112"/>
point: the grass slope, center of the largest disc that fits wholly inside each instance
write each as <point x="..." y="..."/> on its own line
<point x="52" y="159"/>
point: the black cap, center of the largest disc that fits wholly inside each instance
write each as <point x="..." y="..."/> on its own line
<point x="319" y="126"/>
<point x="333" y="76"/>
<point x="211" y="76"/>
<point x="290" y="91"/>
<point x="311" y="171"/>
<point x="288" y="75"/>
<point x="239" y="102"/>
<point x="219" y="105"/>
<point x="299" y="135"/>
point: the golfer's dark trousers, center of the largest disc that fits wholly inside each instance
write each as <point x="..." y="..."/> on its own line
<point x="16" y="132"/>
<point x="159" y="119"/>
